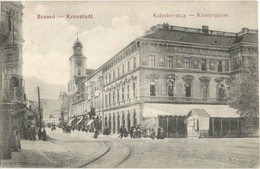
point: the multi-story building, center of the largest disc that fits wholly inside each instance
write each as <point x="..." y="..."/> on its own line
<point x="12" y="106"/>
<point x="160" y="77"/>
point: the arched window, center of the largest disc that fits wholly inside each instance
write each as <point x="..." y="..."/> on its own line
<point x="204" y="90"/>
<point x="152" y="89"/>
<point x="187" y="90"/>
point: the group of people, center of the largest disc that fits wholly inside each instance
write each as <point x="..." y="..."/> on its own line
<point x="32" y="133"/>
<point x="134" y="132"/>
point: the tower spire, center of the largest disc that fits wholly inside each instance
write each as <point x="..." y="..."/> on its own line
<point x="77" y="36"/>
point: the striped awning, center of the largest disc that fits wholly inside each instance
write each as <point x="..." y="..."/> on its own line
<point x="71" y="120"/>
<point x="81" y="118"/>
<point x="155" y="110"/>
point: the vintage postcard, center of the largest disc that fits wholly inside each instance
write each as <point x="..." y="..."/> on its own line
<point x="129" y="84"/>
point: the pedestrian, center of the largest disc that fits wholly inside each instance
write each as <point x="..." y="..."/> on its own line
<point x="121" y="130"/>
<point x="131" y="132"/>
<point x="152" y="134"/>
<point x="125" y="132"/>
<point x="33" y="134"/>
<point x="162" y="133"/>
<point x="158" y="133"/>
<point x="44" y="135"/>
<point x="95" y="133"/>
<point x="134" y="132"/>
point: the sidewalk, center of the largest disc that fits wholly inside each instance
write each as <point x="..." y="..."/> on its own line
<point x="37" y="154"/>
<point x="48" y="154"/>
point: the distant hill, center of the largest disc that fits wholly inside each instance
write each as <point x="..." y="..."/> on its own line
<point x="47" y="91"/>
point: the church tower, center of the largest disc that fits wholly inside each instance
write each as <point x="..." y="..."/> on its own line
<point x="77" y="66"/>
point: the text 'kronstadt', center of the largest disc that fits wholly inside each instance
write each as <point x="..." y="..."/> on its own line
<point x="67" y="16"/>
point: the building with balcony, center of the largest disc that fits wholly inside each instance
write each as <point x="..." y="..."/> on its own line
<point x="159" y="78"/>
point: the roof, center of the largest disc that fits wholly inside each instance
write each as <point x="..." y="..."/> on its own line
<point x="191" y="37"/>
<point x="89" y="72"/>
<point x="154" y="110"/>
<point x="200" y="112"/>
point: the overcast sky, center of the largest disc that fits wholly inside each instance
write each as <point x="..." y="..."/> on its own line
<point x="48" y="43"/>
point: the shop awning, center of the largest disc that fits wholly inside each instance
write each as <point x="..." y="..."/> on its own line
<point x="81" y="118"/>
<point x="90" y="122"/>
<point x="155" y="110"/>
<point x="71" y="120"/>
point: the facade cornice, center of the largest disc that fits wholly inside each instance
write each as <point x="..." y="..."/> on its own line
<point x="184" y="44"/>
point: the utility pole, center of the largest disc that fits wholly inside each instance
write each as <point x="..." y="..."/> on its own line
<point x="40" y="113"/>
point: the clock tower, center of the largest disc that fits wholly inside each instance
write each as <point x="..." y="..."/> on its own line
<point x="77" y="67"/>
<point x="77" y="61"/>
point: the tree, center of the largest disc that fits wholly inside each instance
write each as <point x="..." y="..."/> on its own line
<point x="243" y="93"/>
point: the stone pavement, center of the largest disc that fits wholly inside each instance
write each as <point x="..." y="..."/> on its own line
<point x="48" y="154"/>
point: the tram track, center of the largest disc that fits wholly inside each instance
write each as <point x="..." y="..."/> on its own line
<point x="117" y="154"/>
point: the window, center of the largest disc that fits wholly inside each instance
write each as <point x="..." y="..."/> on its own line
<point x="128" y="66"/>
<point x="204" y="90"/>
<point x="128" y="91"/>
<point x="152" y="89"/>
<point x="109" y="98"/>
<point x="171" y="87"/>
<point x="221" y="91"/>
<point x="106" y="99"/>
<point x="203" y="64"/>
<point x="152" y="61"/>
<point x="133" y="89"/>
<point x="106" y="80"/>
<point x="187" y="63"/>
<point x="220" y="66"/>
<point x="188" y="90"/>
<point x="114" y="74"/>
<point x="123" y="69"/>
<point x="123" y="93"/>
<point x="118" y="71"/>
<point x="109" y="77"/>
<point x="79" y="72"/>
<point x="170" y="62"/>
<point x="117" y="92"/>
<point x="134" y="62"/>
<point x="113" y="96"/>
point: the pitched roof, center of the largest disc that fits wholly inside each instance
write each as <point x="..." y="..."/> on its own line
<point x="200" y="112"/>
<point x="167" y="32"/>
<point x="191" y="37"/>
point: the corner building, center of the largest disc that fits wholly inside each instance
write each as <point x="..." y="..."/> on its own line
<point x="169" y="73"/>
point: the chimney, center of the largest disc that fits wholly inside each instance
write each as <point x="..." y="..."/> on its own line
<point x="205" y="29"/>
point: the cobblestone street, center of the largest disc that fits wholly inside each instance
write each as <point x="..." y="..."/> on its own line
<point x="79" y="149"/>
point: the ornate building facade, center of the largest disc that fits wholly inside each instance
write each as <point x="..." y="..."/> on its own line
<point x="169" y="72"/>
<point x="12" y="105"/>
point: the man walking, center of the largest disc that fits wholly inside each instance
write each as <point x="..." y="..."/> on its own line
<point x="121" y="130"/>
